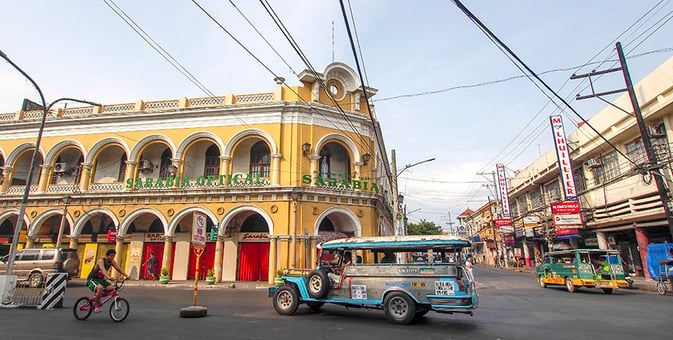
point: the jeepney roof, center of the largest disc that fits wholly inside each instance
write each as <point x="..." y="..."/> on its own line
<point x="399" y="242"/>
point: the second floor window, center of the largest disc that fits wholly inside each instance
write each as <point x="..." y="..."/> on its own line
<point x="212" y="161"/>
<point x="260" y="160"/>
<point x="611" y="166"/>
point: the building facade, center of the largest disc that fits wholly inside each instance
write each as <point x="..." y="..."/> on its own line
<point x="619" y="201"/>
<point x="269" y="174"/>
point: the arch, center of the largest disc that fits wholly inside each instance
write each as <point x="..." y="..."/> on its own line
<point x="102" y="144"/>
<point x="62" y="145"/>
<point x="195" y="137"/>
<point x="19" y="150"/>
<point x="343" y="211"/>
<point x="347" y="141"/>
<point x="13" y="212"/>
<point x="79" y="224"/>
<point x="184" y="212"/>
<point x="245" y="207"/>
<point x="344" y="73"/>
<point x="246" y="133"/>
<point x="135" y="153"/>
<point x="124" y="226"/>
<point x="37" y="222"/>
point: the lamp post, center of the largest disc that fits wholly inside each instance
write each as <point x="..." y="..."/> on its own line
<point x="396" y="208"/>
<point x="29" y="179"/>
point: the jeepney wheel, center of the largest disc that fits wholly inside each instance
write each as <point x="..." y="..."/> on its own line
<point x="286" y="300"/>
<point x="661" y="288"/>
<point x="569" y="285"/>
<point x="607" y="290"/>
<point x="540" y="280"/>
<point x="315" y="306"/>
<point x="399" y="308"/>
<point x="318" y="284"/>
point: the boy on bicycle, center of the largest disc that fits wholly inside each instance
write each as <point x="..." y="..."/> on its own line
<point x="97" y="278"/>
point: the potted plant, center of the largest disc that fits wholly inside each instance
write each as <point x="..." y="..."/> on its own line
<point x="278" y="281"/>
<point x="210" y="277"/>
<point x="165" y="276"/>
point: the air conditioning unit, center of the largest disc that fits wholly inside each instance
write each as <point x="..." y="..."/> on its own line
<point x="60" y="168"/>
<point x="145" y="165"/>
<point x="656" y="131"/>
<point x="594" y="162"/>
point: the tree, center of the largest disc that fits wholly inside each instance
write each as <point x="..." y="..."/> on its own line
<point x="424" y="228"/>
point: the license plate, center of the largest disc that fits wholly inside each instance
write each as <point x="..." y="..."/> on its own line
<point x="603" y="284"/>
<point x="444" y="288"/>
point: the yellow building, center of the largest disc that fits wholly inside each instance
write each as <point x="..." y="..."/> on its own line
<point x="271" y="174"/>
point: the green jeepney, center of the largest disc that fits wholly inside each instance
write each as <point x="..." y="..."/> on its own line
<point x="593" y="268"/>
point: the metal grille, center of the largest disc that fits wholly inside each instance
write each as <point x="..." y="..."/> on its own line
<point x="107" y="187"/>
<point x="209" y="101"/>
<point x="7" y="116"/>
<point x="63" y="188"/>
<point x="78" y="111"/>
<point x="249" y="98"/>
<point x="119" y="107"/>
<point x="166" y="104"/>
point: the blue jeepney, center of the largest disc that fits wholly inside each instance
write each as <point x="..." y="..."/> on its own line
<point x="406" y="276"/>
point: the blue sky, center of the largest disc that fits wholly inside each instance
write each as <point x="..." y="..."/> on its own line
<point x="82" y="49"/>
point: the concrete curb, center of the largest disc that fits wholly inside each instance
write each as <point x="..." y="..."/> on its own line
<point x="183" y="284"/>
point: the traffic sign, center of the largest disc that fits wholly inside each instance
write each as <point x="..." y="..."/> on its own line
<point x="199" y="231"/>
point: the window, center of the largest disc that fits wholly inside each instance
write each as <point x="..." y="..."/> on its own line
<point x="212" y="161"/>
<point x="536" y="199"/>
<point x="122" y="168"/>
<point x="166" y="163"/>
<point x="30" y="255"/>
<point x="636" y="151"/>
<point x="260" y="160"/>
<point x="552" y="192"/>
<point x="611" y="166"/>
<point x="514" y="208"/>
<point x="48" y="254"/>
<point x="578" y="177"/>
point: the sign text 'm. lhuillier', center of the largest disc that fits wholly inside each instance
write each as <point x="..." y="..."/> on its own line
<point x="563" y="155"/>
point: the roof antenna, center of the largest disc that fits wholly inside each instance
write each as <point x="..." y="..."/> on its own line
<point x="332" y="40"/>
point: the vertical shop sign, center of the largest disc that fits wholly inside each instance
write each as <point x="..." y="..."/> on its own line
<point x="563" y="155"/>
<point x="502" y="183"/>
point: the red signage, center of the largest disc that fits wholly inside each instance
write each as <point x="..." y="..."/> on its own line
<point x="566" y="231"/>
<point x="503" y="222"/>
<point x="561" y="208"/>
<point x="111" y="235"/>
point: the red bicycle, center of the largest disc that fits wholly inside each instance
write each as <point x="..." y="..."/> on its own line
<point x="119" y="309"/>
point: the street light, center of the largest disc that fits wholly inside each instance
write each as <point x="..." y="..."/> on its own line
<point x="26" y="192"/>
<point x="413" y="165"/>
<point x="396" y="203"/>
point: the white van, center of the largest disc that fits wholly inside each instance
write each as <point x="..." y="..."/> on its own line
<point x="35" y="264"/>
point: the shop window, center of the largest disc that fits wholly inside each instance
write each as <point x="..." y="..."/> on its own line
<point x="260" y="160"/>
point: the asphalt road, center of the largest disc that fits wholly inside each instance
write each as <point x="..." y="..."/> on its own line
<point x="512" y="306"/>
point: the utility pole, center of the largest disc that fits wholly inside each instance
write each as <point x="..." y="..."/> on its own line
<point x="653" y="167"/>
<point x="450" y="224"/>
<point x="495" y="213"/>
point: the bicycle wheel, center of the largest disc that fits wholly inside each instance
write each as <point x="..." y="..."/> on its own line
<point x="119" y="309"/>
<point x="661" y="288"/>
<point x="82" y="309"/>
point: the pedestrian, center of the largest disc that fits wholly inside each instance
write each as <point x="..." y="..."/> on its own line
<point x="469" y="266"/>
<point x="150" y="264"/>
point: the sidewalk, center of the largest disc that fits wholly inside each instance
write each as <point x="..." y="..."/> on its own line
<point x="184" y="284"/>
